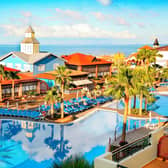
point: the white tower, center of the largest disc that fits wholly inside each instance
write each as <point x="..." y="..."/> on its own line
<point x="29" y="45"/>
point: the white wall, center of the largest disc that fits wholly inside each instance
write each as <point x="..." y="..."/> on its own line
<point x="27" y="48"/>
<point x="162" y="61"/>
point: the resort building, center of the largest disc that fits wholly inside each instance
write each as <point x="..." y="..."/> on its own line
<point x="163" y="61"/>
<point x="30" y="58"/>
<point x="132" y="59"/>
<point x="163" y="50"/>
<point x="22" y="86"/>
<point x="95" y="66"/>
<point x="79" y="78"/>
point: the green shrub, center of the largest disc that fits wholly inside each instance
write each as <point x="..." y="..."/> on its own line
<point x="74" y="162"/>
<point x="136" y="111"/>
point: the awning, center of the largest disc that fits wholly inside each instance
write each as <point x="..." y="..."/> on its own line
<point x="82" y="82"/>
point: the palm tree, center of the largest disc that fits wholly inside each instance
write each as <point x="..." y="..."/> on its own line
<point x="118" y="60"/>
<point x="141" y="85"/>
<point x="3" y="75"/>
<point x="52" y="96"/>
<point x="148" y="56"/>
<point x="121" y="86"/>
<point x="13" y="75"/>
<point x="63" y="80"/>
<point x="164" y="74"/>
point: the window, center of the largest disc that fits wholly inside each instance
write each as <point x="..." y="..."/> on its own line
<point x="55" y="66"/>
<point x="10" y="65"/>
<point x="2" y="63"/>
<point x="26" y="67"/>
<point x="18" y="66"/>
<point x="41" y="67"/>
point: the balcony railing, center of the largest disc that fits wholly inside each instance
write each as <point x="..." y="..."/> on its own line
<point x="129" y="149"/>
<point x="120" y="166"/>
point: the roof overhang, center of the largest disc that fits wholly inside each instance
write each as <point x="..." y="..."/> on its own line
<point x="82" y="82"/>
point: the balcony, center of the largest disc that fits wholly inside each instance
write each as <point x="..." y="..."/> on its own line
<point x="142" y="153"/>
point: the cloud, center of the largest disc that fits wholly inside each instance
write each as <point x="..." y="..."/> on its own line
<point x="69" y="31"/>
<point x="141" y="25"/>
<point x="121" y="21"/>
<point x="26" y="18"/>
<point x="68" y="16"/>
<point x="105" y="2"/>
<point x="26" y="13"/>
<point x="102" y="17"/>
<point x="110" y="18"/>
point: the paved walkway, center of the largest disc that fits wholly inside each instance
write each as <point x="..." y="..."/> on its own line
<point x="157" y="163"/>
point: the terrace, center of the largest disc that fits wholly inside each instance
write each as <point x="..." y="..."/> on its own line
<point x="148" y="151"/>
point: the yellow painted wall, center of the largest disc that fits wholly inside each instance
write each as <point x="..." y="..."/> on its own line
<point x="36" y="48"/>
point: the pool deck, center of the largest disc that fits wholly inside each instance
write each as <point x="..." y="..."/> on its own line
<point x="92" y="110"/>
<point x="121" y="111"/>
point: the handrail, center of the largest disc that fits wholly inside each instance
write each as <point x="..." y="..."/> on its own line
<point x="129" y="149"/>
<point x="125" y="146"/>
<point x="121" y="166"/>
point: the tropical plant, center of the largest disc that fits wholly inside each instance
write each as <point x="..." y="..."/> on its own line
<point x="119" y="59"/>
<point x="63" y="80"/>
<point x="13" y="75"/>
<point x="74" y="162"/>
<point x="164" y="74"/>
<point x="52" y="96"/>
<point x="3" y="75"/>
<point x="121" y="86"/>
<point x="96" y="91"/>
<point x="139" y="77"/>
<point x="148" y="56"/>
<point x="84" y="91"/>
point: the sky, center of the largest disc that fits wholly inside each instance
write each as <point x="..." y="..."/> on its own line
<point x="104" y="22"/>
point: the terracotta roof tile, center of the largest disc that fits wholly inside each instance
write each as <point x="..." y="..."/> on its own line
<point x="164" y="48"/>
<point x="146" y="47"/>
<point x="24" y="77"/>
<point x="10" y="69"/>
<point x="52" y="74"/>
<point x="83" y="59"/>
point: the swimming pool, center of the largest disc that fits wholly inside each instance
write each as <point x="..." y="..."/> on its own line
<point x="26" y="144"/>
<point x="160" y="106"/>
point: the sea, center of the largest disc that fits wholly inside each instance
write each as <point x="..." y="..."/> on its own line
<point x="96" y="50"/>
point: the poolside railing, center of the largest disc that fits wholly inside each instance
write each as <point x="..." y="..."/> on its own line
<point x="129" y="149"/>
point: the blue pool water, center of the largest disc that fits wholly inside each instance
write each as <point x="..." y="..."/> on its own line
<point x="160" y="106"/>
<point x="26" y="144"/>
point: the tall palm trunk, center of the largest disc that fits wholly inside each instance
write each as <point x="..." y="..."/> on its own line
<point x="140" y="104"/>
<point x="129" y="107"/>
<point x="134" y="106"/>
<point x="52" y="110"/>
<point x="13" y="89"/>
<point x="62" y="101"/>
<point x="0" y="92"/>
<point x="146" y="102"/>
<point x="125" y="118"/>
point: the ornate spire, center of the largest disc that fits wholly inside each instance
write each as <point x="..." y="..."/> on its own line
<point x="29" y="30"/>
<point x="156" y="43"/>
